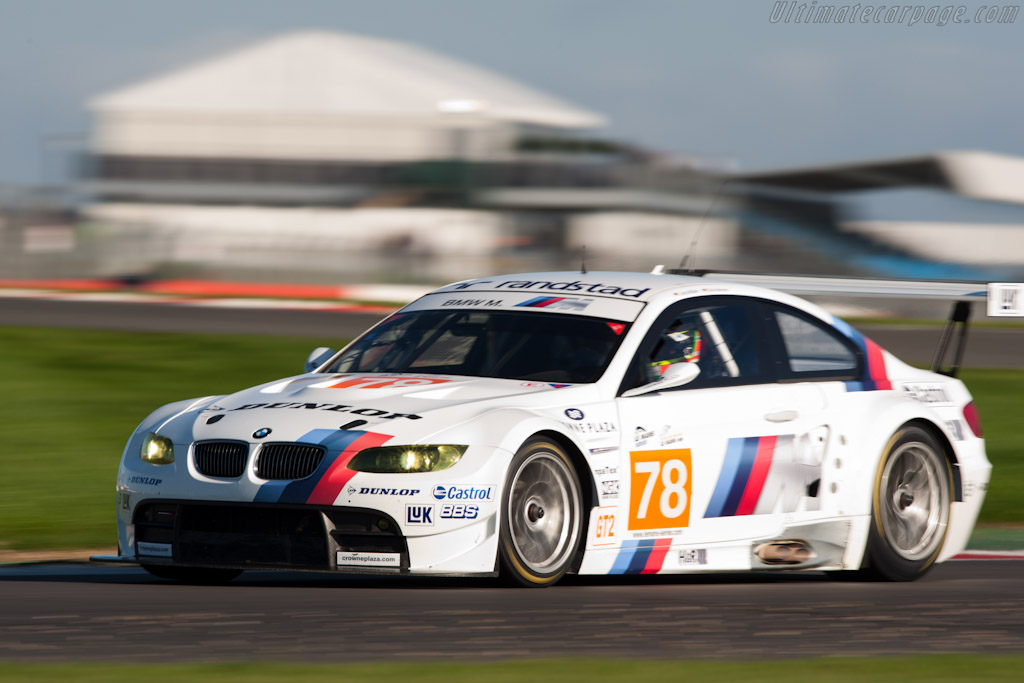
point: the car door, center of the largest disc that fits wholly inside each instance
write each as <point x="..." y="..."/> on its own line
<point x="731" y="454"/>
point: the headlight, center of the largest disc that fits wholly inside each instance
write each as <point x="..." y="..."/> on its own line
<point x="157" y="450"/>
<point x="406" y="458"/>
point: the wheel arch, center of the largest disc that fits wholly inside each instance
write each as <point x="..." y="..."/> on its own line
<point x="947" y="448"/>
<point x="588" y="486"/>
<point x="880" y="560"/>
<point x="887" y="413"/>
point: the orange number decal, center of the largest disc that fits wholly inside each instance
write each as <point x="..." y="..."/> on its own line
<point x="659" y="489"/>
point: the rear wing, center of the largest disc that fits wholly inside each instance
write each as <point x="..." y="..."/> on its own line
<point x="1002" y="299"/>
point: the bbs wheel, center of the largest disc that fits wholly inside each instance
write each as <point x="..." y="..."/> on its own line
<point x="541" y="515"/>
<point x="910" y="511"/>
<point x="194" y="575"/>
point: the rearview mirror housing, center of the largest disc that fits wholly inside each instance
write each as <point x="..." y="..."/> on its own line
<point x="676" y="376"/>
<point x="318" y="357"/>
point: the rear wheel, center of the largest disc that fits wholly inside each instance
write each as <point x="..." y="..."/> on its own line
<point x="193" y="575"/>
<point x="911" y="503"/>
<point x="542" y="515"/>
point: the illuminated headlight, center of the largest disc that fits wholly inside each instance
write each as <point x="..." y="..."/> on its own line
<point x="157" y="450"/>
<point x="406" y="458"/>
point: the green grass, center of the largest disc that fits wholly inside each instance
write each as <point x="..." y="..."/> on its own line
<point x="70" y="398"/>
<point x="999" y="395"/>
<point x="938" y="669"/>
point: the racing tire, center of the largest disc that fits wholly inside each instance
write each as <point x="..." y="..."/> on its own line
<point x="541" y="515"/>
<point x="910" y="507"/>
<point x="193" y="575"/>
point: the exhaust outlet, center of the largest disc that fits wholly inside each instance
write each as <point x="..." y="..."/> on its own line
<point x="784" y="552"/>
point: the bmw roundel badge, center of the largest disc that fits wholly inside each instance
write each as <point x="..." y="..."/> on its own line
<point x="260" y="433"/>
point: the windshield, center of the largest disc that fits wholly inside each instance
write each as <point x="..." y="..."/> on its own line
<point x="510" y="345"/>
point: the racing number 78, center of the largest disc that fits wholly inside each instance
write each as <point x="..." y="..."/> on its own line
<point x="659" y="490"/>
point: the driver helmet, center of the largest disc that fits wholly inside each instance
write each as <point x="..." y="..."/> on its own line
<point x="680" y="346"/>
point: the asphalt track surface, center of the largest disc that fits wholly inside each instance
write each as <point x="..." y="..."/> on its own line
<point x="986" y="347"/>
<point x="147" y="317"/>
<point x="80" y="612"/>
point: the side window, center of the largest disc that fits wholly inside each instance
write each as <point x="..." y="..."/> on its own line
<point x="813" y="349"/>
<point x="720" y="339"/>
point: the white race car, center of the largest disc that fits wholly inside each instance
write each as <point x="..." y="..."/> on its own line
<point x="594" y="423"/>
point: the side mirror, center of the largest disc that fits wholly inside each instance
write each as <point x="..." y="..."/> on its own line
<point x="676" y="376"/>
<point x="318" y="357"/>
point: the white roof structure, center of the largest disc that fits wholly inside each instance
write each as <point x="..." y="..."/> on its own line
<point x="338" y="87"/>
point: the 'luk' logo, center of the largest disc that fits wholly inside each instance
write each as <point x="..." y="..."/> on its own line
<point x="419" y="515"/>
<point x="463" y="493"/>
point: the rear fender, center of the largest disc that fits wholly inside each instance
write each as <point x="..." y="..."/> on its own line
<point x="860" y="451"/>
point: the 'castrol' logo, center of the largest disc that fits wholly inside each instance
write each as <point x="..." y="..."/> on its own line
<point x="463" y="493"/>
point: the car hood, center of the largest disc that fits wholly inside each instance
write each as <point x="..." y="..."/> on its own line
<point x="412" y="406"/>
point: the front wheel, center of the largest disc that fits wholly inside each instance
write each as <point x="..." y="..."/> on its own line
<point x="542" y="515"/>
<point x="910" y="511"/>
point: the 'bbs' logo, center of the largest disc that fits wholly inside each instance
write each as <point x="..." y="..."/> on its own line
<point x="419" y="515"/>
<point x="459" y="511"/>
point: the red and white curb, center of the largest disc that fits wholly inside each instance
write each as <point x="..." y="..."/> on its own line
<point x="990" y="555"/>
<point x="221" y="294"/>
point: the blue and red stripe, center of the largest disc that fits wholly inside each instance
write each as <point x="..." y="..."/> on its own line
<point x="758" y="474"/>
<point x="641" y="557"/>
<point x="542" y="301"/>
<point x="731" y="472"/>
<point x="748" y="460"/>
<point x="324" y="485"/>
<point x="875" y="376"/>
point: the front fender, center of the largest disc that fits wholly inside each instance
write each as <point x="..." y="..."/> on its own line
<point x="162" y="420"/>
<point x="506" y="429"/>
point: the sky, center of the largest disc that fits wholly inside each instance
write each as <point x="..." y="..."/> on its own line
<point x="716" y="80"/>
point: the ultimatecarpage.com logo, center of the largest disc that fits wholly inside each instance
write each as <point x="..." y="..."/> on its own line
<point x="795" y="12"/>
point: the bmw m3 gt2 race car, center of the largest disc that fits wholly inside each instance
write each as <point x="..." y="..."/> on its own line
<point x="537" y="424"/>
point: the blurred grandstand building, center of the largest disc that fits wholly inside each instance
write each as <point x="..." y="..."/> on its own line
<point x="329" y="155"/>
<point x="319" y="156"/>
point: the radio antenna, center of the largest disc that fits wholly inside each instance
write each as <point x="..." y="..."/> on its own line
<point x="583" y="259"/>
<point x="691" y="254"/>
